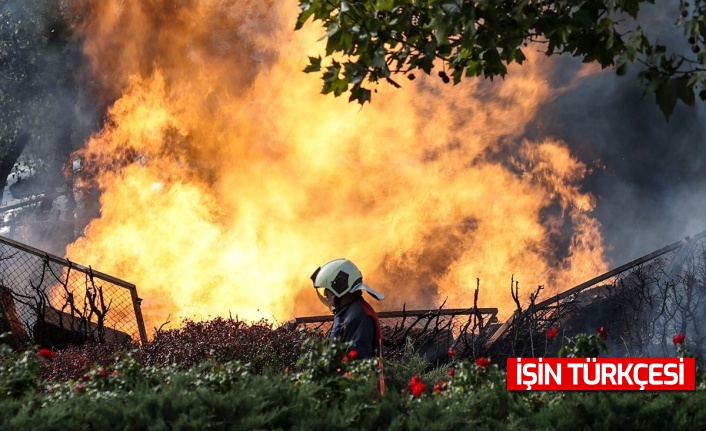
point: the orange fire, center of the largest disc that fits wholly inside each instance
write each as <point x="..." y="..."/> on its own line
<point x="227" y="179"/>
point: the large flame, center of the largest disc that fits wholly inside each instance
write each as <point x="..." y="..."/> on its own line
<point x="227" y="179"/>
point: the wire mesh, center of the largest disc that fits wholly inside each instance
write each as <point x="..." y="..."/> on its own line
<point x="51" y="301"/>
<point x="642" y="305"/>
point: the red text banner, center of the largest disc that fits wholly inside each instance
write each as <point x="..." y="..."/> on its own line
<point x="617" y="374"/>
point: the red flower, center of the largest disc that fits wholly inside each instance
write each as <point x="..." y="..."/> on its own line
<point x="80" y="388"/>
<point x="416" y="386"/>
<point x="452" y="352"/>
<point x="418" y="390"/>
<point x="353" y="354"/>
<point x="552" y="333"/>
<point x="47" y="354"/>
<point x="451" y="372"/>
<point x="602" y="332"/>
<point x="345" y="359"/>
<point x="678" y="339"/>
<point x="483" y="362"/>
<point x="439" y="387"/>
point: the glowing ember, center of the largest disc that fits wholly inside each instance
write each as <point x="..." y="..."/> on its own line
<point x="226" y="179"/>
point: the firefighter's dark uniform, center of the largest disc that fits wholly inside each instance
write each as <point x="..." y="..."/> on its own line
<point x="357" y="322"/>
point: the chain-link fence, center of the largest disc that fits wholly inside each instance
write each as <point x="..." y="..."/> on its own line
<point x="642" y="305"/>
<point x="51" y="301"/>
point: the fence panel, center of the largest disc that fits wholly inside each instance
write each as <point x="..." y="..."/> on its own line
<point x="51" y="301"/>
<point x="642" y="304"/>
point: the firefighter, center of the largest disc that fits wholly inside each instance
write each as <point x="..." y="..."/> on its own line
<point x="339" y="285"/>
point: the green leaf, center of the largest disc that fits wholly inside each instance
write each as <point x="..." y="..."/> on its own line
<point x="451" y="7"/>
<point x="332" y="30"/>
<point x="622" y="69"/>
<point x="440" y="28"/>
<point x="359" y="94"/>
<point x="701" y="56"/>
<point x="384" y="5"/>
<point x="683" y="90"/>
<point x="333" y="83"/>
<point x="314" y="65"/>
<point x="333" y="43"/>
<point x="336" y="86"/>
<point x="473" y="68"/>
<point x="519" y="56"/>
<point x="457" y="75"/>
<point x="666" y="98"/>
<point x="632" y="7"/>
<point x="379" y="58"/>
<point x="308" y="9"/>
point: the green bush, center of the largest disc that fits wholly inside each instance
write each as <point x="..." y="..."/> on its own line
<point x="409" y="362"/>
<point x="326" y="389"/>
<point x="18" y="372"/>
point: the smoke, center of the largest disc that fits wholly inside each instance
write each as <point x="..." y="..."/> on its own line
<point x="44" y="115"/>
<point x="649" y="173"/>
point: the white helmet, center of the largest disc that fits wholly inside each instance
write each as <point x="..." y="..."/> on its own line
<point x="340" y="276"/>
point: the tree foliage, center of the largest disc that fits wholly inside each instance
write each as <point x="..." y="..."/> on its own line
<point x="369" y="41"/>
